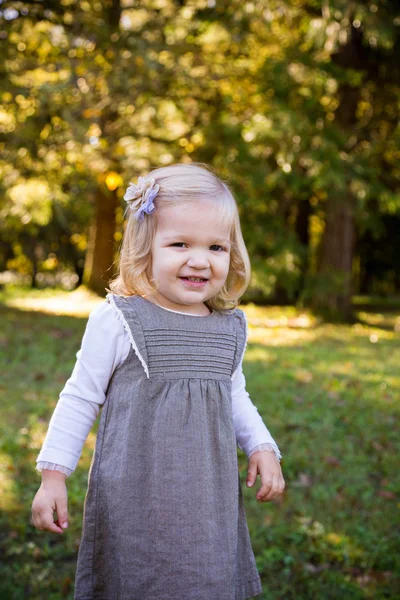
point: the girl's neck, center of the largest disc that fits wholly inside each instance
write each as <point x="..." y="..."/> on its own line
<point x="153" y="299"/>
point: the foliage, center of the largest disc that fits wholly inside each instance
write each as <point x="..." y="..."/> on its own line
<point x="97" y="93"/>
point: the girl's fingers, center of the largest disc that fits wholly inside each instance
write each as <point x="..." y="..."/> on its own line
<point x="271" y="489"/>
<point x="44" y="522"/>
<point x="51" y="498"/>
<point x="263" y="492"/>
<point x="274" y="491"/>
<point x="54" y="528"/>
<point x="62" y="511"/>
<point x="42" y="519"/>
<point x="272" y="482"/>
<point x="251" y="473"/>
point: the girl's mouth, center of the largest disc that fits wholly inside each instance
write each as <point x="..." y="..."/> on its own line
<point x="194" y="281"/>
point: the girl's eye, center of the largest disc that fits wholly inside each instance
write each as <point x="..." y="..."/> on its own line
<point x="214" y="246"/>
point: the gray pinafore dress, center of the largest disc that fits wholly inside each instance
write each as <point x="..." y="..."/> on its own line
<point x="163" y="515"/>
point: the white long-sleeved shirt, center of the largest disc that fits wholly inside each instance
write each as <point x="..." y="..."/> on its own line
<point x="105" y="345"/>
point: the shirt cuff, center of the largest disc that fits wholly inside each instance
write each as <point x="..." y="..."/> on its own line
<point x="42" y="464"/>
<point x="266" y="447"/>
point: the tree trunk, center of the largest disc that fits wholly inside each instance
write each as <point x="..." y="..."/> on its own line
<point x="336" y="260"/>
<point x="303" y="235"/>
<point x="99" y="266"/>
<point x="337" y="247"/>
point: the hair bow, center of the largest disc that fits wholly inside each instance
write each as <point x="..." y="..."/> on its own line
<point x="140" y="197"/>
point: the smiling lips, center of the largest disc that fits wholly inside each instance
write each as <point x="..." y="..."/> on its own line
<point x="194" y="281"/>
<point x="192" y="278"/>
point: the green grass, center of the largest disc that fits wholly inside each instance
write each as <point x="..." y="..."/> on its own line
<point x="330" y="396"/>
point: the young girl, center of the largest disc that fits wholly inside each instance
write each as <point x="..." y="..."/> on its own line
<point x="163" y="514"/>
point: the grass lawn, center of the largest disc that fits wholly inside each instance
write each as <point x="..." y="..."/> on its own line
<point x="330" y="395"/>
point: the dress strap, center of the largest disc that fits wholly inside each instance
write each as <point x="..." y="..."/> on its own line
<point x="132" y="324"/>
<point x="241" y="338"/>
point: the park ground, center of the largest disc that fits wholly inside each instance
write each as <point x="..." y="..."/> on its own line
<point x="330" y="395"/>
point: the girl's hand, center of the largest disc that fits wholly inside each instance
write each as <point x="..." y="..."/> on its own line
<point x="267" y="465"/>
<point x="51" y="496"/>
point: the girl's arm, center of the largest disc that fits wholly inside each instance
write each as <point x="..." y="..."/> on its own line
<point x="103" y="348"/>
<point x="73" y="417"/>
<point x="252" y="436"/>
<point x="251" y="433"/>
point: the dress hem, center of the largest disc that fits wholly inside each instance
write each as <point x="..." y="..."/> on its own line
<point x="248" y="589"/>
<point x="244" y="591"/>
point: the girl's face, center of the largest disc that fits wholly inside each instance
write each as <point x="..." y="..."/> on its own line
<point x="189" y="243"/>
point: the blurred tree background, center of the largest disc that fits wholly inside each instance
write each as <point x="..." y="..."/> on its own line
<point x="295" y="104"/>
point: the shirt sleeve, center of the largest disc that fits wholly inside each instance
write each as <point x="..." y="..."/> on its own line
<point x="104" y="346"/>
<point x="251" y="433"/>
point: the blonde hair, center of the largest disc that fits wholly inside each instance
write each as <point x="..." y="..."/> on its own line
<point x="180" y="183"/>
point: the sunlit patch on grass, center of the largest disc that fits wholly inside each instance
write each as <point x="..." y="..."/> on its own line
<point x="87" y="453"/>
<point x="37" y="434"/>
<point x="280" y="336"/>
<point x="77" y="303"/>
<point x="274" y="312"/>
<point x="30" y="395"/>
<point x="255" y="354"/>
<point x="278" y="316"/>
<point x="367" y="331"/>
<point x="91" y="440"/>
<point x="335" y="547"/>
<point x="303" y="376"/>
<point x="8" y="496"/>
<point x="387" y="320"/>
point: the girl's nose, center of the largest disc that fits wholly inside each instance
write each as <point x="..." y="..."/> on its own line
<point x="198" y="260"/>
